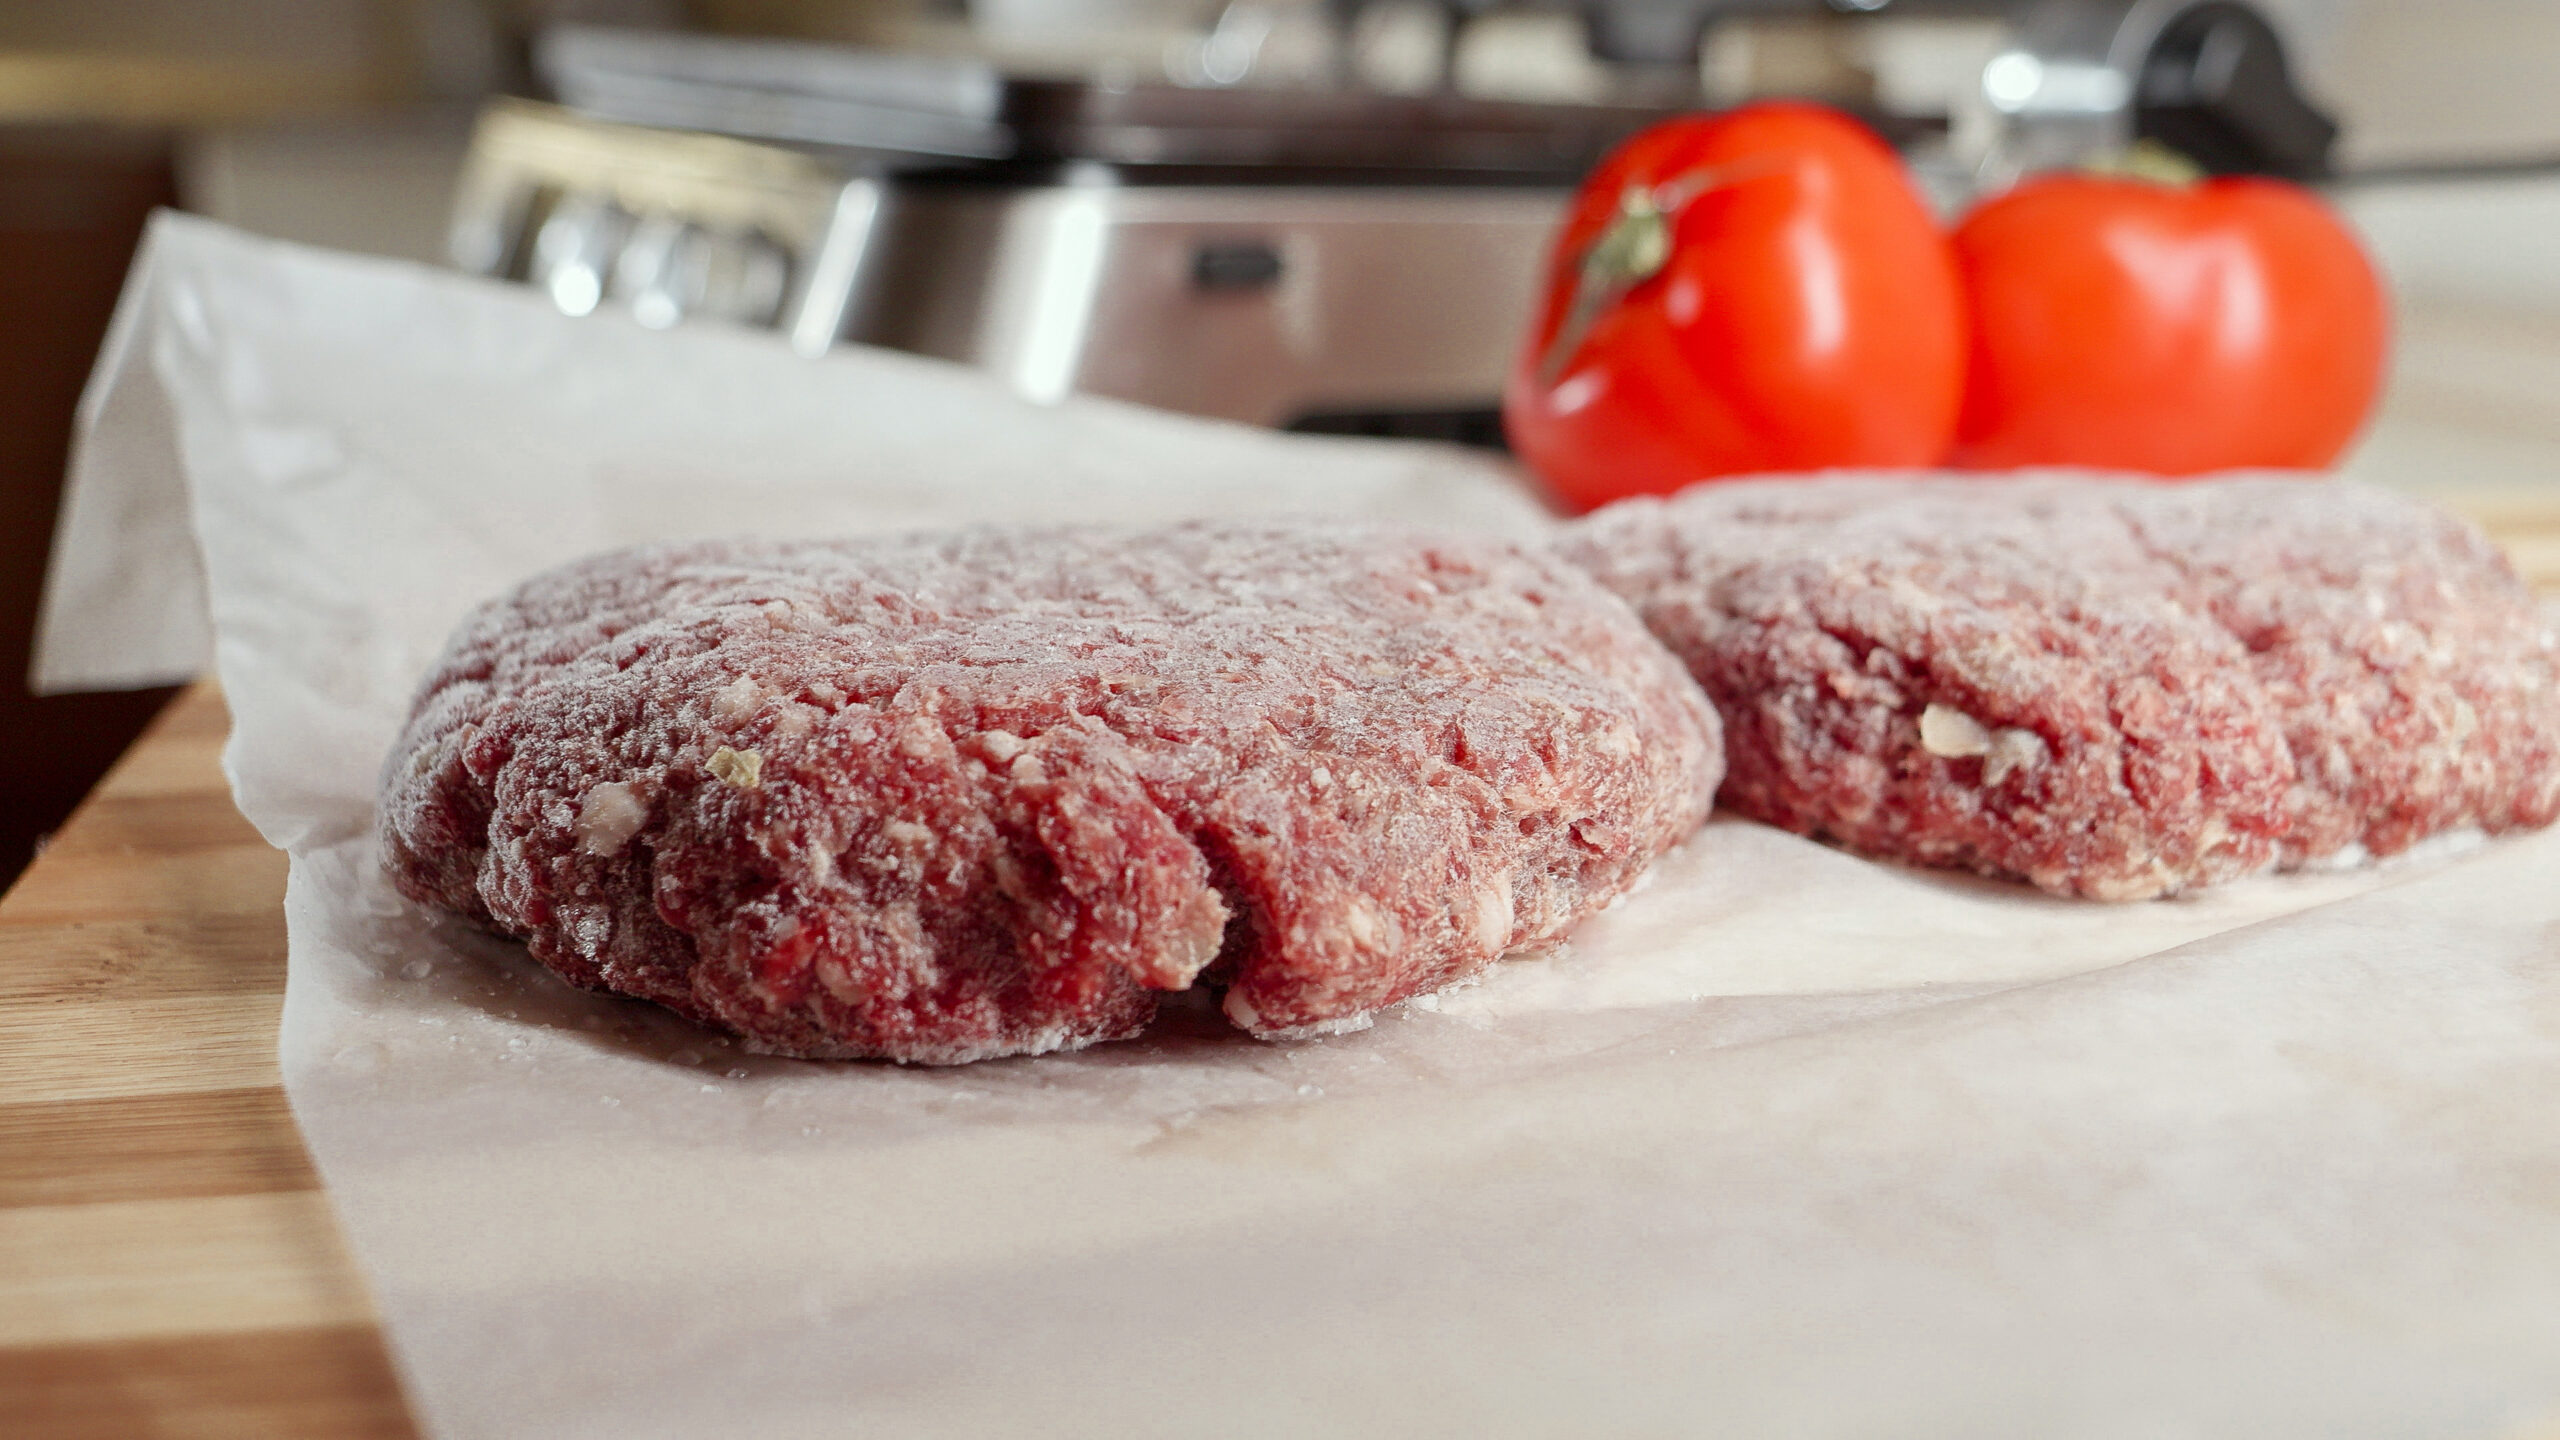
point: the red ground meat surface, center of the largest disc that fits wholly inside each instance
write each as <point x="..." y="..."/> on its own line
<point x="942" y="797"/>
<point x="2113" y="689"/>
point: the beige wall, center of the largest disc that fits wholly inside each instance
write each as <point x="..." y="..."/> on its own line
<point x="2424" y="79"/>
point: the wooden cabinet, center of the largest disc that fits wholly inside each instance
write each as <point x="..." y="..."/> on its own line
<point x="72" y="205"/>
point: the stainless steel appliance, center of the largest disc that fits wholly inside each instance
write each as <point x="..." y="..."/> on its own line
<point x="1325" y="256"/>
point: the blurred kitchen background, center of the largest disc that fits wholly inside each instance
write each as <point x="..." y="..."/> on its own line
<point x="1319" y="213"/>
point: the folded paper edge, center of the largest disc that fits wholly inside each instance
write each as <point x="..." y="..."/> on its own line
<point x="124" y="602"/>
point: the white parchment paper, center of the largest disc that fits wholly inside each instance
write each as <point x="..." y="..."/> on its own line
<point x="1786" y="1144"/>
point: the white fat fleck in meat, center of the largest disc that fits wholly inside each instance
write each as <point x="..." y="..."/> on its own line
<point x="1951" y="734"/>
<point x="1493" y="915"/>
<point x="737" y="700"/>
<point x="1241" y="1011"/>
<point x="1009" y="876"/>
<point x="1000" y="746"/>
<point x="2013" y="750"/>
<point x="608" y="818"/>
<point x="918" y="737"/>
<point x="1361" y="923"/>
<point x="742" y="768"/>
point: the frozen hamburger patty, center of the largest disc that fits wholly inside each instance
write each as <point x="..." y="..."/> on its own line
<point x="947" y="796"/>
<point x="2115" y="689"/>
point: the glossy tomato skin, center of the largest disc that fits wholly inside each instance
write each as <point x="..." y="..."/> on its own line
<point x="2175" y="329"/>
<point x="1808" y="316"/>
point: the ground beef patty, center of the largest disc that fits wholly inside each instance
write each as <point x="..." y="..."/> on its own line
<point x="2114" y="689"/>
<point x="947" y="796"/>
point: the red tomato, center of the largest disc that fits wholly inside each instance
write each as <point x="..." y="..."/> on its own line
<point x="2174" y="329"/>
<point x="1758" y="290"/>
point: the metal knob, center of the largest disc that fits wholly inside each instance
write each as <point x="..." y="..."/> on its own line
<point x="2085" y="78"/>
<point x="2215" y="87"/>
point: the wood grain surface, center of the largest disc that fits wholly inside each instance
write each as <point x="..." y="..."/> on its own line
<point x="168" y="1263"/>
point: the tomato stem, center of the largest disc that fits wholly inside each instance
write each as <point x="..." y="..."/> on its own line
<point x="1634" y="247"/>
<point x="2146" y="159"/>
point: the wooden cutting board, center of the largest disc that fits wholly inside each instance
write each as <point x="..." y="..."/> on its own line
<point x="168" y="1263"/>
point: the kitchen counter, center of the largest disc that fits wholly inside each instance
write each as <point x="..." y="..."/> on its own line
<point x="168" y="1261"/>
